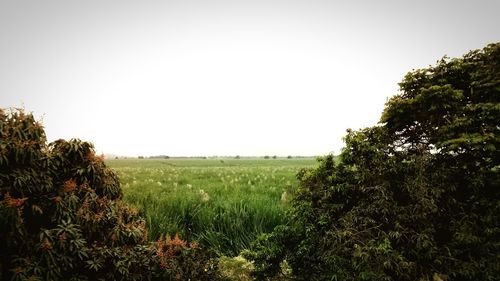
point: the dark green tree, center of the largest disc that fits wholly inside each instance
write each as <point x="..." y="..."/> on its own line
<point x="62" y="217"/>
<point x="415" y="197"/>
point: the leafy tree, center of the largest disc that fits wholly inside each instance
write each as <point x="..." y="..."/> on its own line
<point x="415" y="197"/>
<point x="62" y="217"/>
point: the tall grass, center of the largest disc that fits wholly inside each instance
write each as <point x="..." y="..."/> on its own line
<point x="222" y="204"/>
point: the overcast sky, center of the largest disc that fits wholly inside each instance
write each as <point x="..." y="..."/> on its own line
<point x="223" y="77"/>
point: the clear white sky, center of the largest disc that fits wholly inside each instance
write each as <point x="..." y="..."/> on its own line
<point x="223" y="77"/>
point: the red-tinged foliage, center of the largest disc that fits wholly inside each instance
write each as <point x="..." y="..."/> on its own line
<point x="62" y="217"/>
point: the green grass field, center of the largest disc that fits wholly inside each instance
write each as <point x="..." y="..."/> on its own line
<point x="221" y="203"/>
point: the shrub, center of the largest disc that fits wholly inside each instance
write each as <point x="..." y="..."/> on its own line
<point x="178" y="260"/>
<point x="236" y="268"/>
<point x="62" y="217"/>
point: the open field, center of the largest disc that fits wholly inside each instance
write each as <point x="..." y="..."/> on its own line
<point x="222" y="203"/>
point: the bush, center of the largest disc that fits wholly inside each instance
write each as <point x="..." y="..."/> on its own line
<point x="62" y="217"/>
<point x="178" y="260"/>
<point x="236" y="268"/>
<point x="414" y="198"/>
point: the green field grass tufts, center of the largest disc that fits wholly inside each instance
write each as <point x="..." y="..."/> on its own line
<point x="221" y="203"/>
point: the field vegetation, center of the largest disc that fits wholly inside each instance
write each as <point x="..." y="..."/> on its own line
<point x="415" y="197"/>
<point x="224" y="204"/>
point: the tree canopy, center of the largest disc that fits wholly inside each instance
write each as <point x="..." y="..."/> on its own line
<point x="415" y="197"/>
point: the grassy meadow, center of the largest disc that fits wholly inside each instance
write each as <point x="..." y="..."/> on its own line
<point x="221" y="203"/>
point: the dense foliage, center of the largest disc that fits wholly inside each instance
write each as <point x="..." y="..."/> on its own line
<point x="62" y="217"/>
<point x="415" y="197"/>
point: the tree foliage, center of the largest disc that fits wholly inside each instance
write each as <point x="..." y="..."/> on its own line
<point x="62" y="217"/>
<point x="415" y="197"/>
